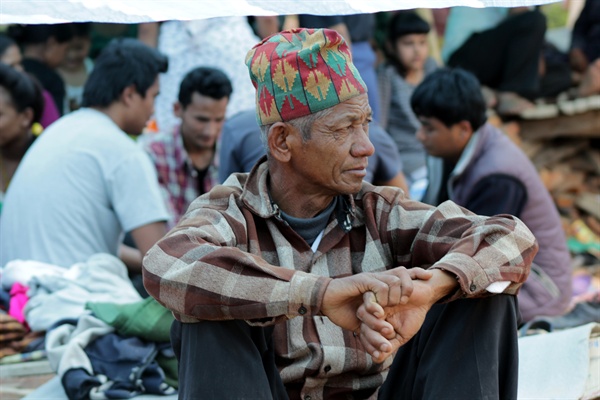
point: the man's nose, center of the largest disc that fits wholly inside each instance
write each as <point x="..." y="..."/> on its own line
<point x="363" y="146"/>
<point x="212" y="128"/>
<point x="420" y="135"/>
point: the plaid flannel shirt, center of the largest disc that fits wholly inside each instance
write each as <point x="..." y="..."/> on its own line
<point x="233" y="257"/>
<point x="177" y="176"/>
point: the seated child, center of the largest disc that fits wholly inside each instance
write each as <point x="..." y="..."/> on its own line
<point x="408" y="62"/>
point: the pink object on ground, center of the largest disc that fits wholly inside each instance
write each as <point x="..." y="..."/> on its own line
<point x="18" y="299"/>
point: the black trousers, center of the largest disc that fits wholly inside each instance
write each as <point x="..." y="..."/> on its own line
<point x="507" y="56"/>
<point x="466" y="349"/>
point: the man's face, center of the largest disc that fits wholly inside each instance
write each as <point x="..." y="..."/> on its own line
<point x="440" y="140"/>
<point x="141" y="109"/>
<point x="412" y="51"/>
<point x="202" y="121"/>
<point x="334" y="160"/>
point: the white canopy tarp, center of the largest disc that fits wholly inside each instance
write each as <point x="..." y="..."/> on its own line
<point x="136" y="11"/>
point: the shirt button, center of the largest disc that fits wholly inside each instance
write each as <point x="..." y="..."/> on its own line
<point x="327" y="368"/>
<point x="473" y="288"/>
<point x="307" y="397"/>
<point x="302" y="310"/>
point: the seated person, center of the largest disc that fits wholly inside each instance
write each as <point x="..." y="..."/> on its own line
<point x="585" y="38"/>
<point x="584" y="53"/>
<point x="241" y="148"/>
<point x="502" y="47"/>
<point x="185" y="158"/>
<point x="300" y="280"/>
<point x="84" y="181"/>
<point x="77" y="65"/>
<point x="475" y="165"/>
<point x="408" y="62"/>
<point x="21" y="105"/>
<point x="10" y="54"/>
<point x="44" y="49"/>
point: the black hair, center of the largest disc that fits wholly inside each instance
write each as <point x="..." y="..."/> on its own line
<point x="35" y="34"/>
<point x="403" y="23"/>
<point x="406" y="23"/>
<point x="82" y="29"/>
<point x="24" y="90"/>
<point x="210" y="82"/>
<point x="450" y="95"/>
<point x="122" y="63"/>
<point x="5" y="43"/>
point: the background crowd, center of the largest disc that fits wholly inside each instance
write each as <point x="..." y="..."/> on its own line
<point x="182" y="118"/>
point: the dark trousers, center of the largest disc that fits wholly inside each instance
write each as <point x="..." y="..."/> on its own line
<point x="507" y="56"/>
<point x="466" y="349"/>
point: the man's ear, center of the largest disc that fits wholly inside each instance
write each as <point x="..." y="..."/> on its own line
<point x="128" y="94"/>
<point x="278" y="141"/>
<point x="466" y="130"/>
<point x="177" y="109"/>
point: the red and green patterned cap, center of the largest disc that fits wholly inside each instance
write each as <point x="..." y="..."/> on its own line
<point x="301" y="71"/>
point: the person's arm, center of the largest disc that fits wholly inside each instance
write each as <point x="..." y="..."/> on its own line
<point x="471" y="247"/>
<point x="342" y="29"/>
<point x="267" y="25"/>
<point x="200" y="269"/>
<point x="148" y="33"/>
<point x="577" y="57"/>
<point x="497" y="194"/>
<point x="146" y="236"/>
<point x="464" y="254"/>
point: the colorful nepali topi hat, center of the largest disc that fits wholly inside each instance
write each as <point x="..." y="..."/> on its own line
<point x="301" y="71"/>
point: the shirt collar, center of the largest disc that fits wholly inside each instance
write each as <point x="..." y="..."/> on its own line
<point x="255" y="196"/>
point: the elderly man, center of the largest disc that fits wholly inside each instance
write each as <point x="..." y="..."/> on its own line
<point x="300" y="280"/>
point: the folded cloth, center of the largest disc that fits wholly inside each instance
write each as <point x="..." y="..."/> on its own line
<point x="146" y="319"/>
<point x="52" y="298"/>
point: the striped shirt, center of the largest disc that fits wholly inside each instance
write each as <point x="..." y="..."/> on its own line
<point x="233" y="257"/>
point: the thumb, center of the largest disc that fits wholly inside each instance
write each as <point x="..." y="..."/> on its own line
<point x="420" y="273"/>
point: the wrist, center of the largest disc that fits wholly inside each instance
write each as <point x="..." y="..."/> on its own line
<point x="443" y="284"/>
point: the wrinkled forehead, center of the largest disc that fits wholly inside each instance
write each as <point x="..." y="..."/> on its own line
<point x="354" y="111"/>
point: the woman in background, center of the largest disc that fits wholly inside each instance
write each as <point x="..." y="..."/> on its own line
<point x="10" y="54"/>
<point x="44" y="48"/>
<point x="21" y="105"/>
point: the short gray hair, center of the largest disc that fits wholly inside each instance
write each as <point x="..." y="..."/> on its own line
<point x="303" y="124"/>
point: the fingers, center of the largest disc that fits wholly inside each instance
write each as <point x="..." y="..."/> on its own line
<point x="399" y="286"/>
<point x="376" y="345"/>
<point x="371" y="305"/>
<point x="367" y="314"/>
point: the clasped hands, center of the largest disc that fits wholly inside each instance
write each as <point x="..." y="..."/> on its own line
<point x="385" y="308"/>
